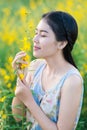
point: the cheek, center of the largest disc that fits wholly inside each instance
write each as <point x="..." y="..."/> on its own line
<point x="48" y="44"/>
<point x="49" y="48"/>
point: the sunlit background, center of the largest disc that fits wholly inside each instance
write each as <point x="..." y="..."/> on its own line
<point x="18" y="19"/>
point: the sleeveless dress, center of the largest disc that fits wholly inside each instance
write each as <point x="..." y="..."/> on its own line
<point x="49" y="101"/>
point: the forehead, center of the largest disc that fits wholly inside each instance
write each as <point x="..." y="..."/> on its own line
<point x="43" y="25"/>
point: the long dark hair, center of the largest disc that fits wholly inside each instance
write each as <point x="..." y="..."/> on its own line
<point x="65" y="28"/>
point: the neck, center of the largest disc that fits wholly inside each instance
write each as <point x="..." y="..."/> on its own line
<point x="56" y="64"/>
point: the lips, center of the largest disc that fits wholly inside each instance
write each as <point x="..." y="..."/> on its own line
<point x="36" y="48"/>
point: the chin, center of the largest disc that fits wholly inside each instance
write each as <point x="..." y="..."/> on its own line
<point x="36" y="55"/>
<point x="39" y="55"/>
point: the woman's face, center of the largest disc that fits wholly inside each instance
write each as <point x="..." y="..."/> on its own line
<point x="45" y="44"/>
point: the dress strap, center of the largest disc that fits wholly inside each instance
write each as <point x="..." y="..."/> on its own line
<point x="68" y="74"/>
<point x="38" y="70"/>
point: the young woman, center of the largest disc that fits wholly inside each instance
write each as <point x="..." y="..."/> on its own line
<point x="56" y="84"/>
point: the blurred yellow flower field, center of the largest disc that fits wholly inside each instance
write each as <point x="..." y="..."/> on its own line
<point x="18" y="20"/>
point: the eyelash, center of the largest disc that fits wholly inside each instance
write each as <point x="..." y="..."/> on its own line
<point x="41" y="35"/>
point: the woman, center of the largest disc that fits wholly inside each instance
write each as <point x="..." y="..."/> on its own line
<point x="56" y="84"/>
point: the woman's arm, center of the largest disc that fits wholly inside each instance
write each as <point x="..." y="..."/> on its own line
<point x="18" y="109"/>
<point x="24" y="97"/>
<point x="70" y="101"/>
<point x="24" y="94"/>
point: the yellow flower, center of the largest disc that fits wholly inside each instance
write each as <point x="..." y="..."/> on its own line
<point x="4" y="116"/>
<point x="9" y="85"/>
<point x="2" y="71"/>
<point x="22" y="66"/>
<point x="26" y="45"/>
<point x="6" y="78"/>
<point x="69" y="4"/>
<point x="85" y="67"/>
<point x="21" y="76"/>
<point x="33" y="4"/>
<point x="25" y="58"/>
<point x="22" y="11"/>
<point x="10" y="59"/>
<point x="2" y="99"/>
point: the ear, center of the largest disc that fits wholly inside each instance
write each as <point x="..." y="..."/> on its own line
<point x="61" y="44"/>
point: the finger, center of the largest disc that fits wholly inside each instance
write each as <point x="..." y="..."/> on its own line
<point x="17" y="83"/>
<point x="22" y="62"/>
<point x="20" y="83"/>
<point x="18" y="57"/>
<point x="24" y="81"/>
<point x="21" y="52"/>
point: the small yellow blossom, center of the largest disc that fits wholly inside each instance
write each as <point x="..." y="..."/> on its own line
<point x="10" y="59"/>
<point x="26" y="44"/>
<point x="2" y="99"/>
<point x="2" y="71"/>
<point x="9" y="85"/>
<point x="4" y="116"/>
<point x="22" y="11"/>
<point x="33" y="4"/>
<point x="25" y="58"/>
<point x="22" y="66"/>
<point x="85" y="67"/>
<point x="6" y="78"/>
<point x="21" y="76"/>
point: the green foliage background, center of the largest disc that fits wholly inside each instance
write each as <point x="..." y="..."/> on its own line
<point x="18" y="19"/>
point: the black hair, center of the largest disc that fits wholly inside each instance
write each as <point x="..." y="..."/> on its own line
<point x="65" y="28"/>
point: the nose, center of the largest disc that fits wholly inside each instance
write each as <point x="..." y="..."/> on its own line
<point x="36" y="39"/>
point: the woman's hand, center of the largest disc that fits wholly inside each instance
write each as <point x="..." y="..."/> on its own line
<point x="20" y="63"/>
<point x="23" y="92"/>
<point x="17" y="60"/>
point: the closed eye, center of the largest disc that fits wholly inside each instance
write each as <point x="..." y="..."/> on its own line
<point x="43" y="36"/>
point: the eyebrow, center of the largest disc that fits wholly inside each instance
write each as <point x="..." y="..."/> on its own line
<point x="42" y="30"/>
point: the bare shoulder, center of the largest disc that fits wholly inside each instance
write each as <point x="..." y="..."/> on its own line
<point x="33" y="67"/>
<point x="73" y="83"/>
